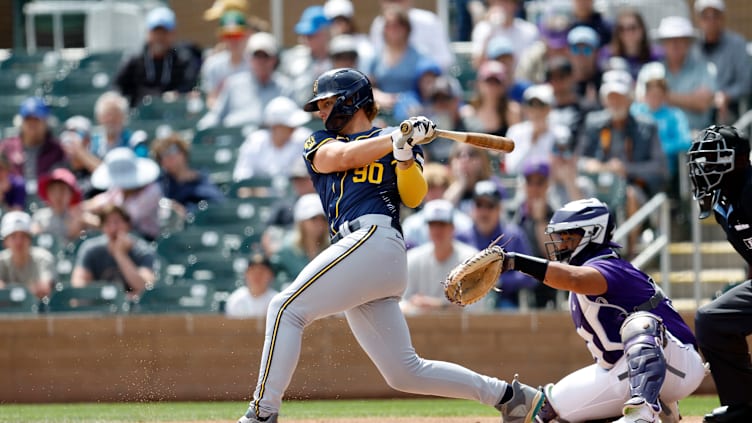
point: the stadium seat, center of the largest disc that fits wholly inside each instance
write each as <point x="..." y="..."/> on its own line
<point x="177" y="246"/>
<point x="220" y="136"/>
<point x="106" y="61"/>
<point x="196" y="297"/>
<point x="19" y="83"/>
<point x="99" y="297"/>
<point x="236" y="216"/>
<point x="223" y="273"/>
<point x="17" y="299"/>
<point x="259" y="186"/>
<point x="42" y="60"/>
<point x="81" y="81"/>
<point x="218" y="162"/>
<point x="157" y="108"/>
<point x="74" y="104"/>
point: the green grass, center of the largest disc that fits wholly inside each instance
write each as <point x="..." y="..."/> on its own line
<point x="227" y="411"/>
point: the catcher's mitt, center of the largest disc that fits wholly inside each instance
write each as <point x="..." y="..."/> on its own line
<point x="472" y="279"/>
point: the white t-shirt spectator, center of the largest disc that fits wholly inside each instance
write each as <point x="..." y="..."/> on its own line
<point x="521" y="33"/>
<point x="242" y="304"/>
<point x="258" y="156"/>
<point x="527" y="150"/>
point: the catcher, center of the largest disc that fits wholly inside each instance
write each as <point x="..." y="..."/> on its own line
<point x="646" y="357"/>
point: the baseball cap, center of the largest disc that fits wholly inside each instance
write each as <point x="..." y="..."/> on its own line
<point x="536" y="167"/>
<point x="616" y="81"/>
<point x="541" y="92"/>
<point x="554" y="23"/>
<point x="160" y="17"/>
<point x="15" y="221"/>
<point x="34" y="107"/>
<point x="445" y="87"/>
<point x="342" y="44"/>
<point x="262" y="41"/>
<point x="492" y="69"/>
<point x="701" y="5"/>
<point x="307" y="206"/>
<point x="499" y="46"/>
<point x="583" y="35"/>
<point x="78" y="123"/>
<point x="337" y="8"/>
<point x="259" y="258"/>
<point x="312" y="21"/>
<point x="232" y="23"/>
<point x="438" y="211"/>
<point x="557" y="65"/>
<point x="487" y="189"/>
<point x="283" y="111"/>
<point x="675" y="27"/>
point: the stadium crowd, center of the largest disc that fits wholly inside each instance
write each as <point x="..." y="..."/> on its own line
<point x="597" y="107"/>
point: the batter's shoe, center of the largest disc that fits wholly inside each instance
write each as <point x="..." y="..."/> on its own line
<point x="251" y="417"/>
<point x="637" y="410"/>
<point x="525" y="404"/>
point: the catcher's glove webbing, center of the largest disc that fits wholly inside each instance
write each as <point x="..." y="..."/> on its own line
<point x="472" y="279"/>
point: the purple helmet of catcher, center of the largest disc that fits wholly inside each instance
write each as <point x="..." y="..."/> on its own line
<point x="589" y="218"/>
<point x="352" y="91"/>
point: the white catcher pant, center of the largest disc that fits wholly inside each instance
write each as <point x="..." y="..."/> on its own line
<point x="596" y="393"/>
<point x="363" y="275"/>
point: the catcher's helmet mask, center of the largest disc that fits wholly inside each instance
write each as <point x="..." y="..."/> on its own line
<point x="715" y="152"/>
<point x="589" y="218"/>
<point x="352" y="91"/>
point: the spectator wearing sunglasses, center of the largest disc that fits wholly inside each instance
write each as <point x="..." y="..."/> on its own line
<point x="583" y="44"/>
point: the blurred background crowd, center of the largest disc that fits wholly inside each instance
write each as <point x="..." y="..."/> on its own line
<point x="179" y="167"/>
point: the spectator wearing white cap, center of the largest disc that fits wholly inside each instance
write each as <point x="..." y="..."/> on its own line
<point x="673" y="130"/>
<point x="309" y="237"/>
<point x="244" y="95"/>
<point x="162" y="66"/>
<point x="343" y="51"/>
<point x="269" y="151"/>
<point x="341" y="13"/>
<point x="691" y="79"/>
<point x="534" y="137"/>
<point x="129" y="182"/>
<point x="619" y="143"/>
<point x="432" y="261"/>
<point x="501" y="21"/>
<point x="20" y="262"/>
<point x="725" y="49"/>
<point x="428" y="34"/>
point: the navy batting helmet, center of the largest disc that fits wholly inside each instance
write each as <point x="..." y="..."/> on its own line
<point x="589" y="218"/>
<point x="716" y="151"/>
<point x="352" y="90"/>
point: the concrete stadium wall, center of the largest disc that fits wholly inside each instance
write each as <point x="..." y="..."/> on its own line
<point x="202" y="357"/>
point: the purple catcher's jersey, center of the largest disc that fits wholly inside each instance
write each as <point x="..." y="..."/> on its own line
<point x="598" y="318"/>
<point x="349" y="194"/>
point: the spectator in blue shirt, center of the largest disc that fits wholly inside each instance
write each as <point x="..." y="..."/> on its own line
<point x="179" y="182"/>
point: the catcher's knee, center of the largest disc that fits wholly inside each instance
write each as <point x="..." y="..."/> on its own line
<point x="643" y="335"/>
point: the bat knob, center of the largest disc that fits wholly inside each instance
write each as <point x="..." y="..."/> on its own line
<point x="405" y="128"/>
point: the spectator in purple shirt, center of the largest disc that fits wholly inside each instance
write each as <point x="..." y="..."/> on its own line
<point x="486" y="213"/>
<point x="646" y="357"/>
<point x="35" y="151"/>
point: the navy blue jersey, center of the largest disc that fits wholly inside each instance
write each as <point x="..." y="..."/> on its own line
<point x="734" y="214"/>
<point x="352" y="193"/>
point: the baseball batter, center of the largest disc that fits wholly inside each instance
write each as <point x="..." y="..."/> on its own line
<point x="362" y="174"/>
<point x="721" y="176"/>
<point x="644" y="353"/>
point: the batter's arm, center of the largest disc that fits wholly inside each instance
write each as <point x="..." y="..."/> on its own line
<point x="337" y="156"/>
<point x="411" y="184"/>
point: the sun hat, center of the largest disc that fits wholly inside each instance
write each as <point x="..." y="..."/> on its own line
<point x="221" y="6"/>
<point x="15" y="221"/>
<point x="59" y="175"/>
<point x="123" y="169"/>
<point x="284" y="111"/>
<point x="675" y="27"/>
<point x="307" y="206"/>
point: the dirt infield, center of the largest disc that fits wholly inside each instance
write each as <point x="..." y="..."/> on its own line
<point x="689" y="419"/>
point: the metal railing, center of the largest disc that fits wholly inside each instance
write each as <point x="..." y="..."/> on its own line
<point x="658" y="245"/>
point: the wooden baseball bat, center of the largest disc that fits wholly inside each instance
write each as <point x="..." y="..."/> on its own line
<point x="478" y="139"/>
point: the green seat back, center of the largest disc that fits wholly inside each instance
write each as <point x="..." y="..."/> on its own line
<point x="220" y="136"/>
<point x="99" y="297"/>
<point x="196" y="297"/>
<point x="17" y="299"/>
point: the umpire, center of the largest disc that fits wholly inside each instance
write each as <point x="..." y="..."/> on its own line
<point x="721" y="176"/>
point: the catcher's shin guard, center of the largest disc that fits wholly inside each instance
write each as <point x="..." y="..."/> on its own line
<point x="643" y="336"/>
